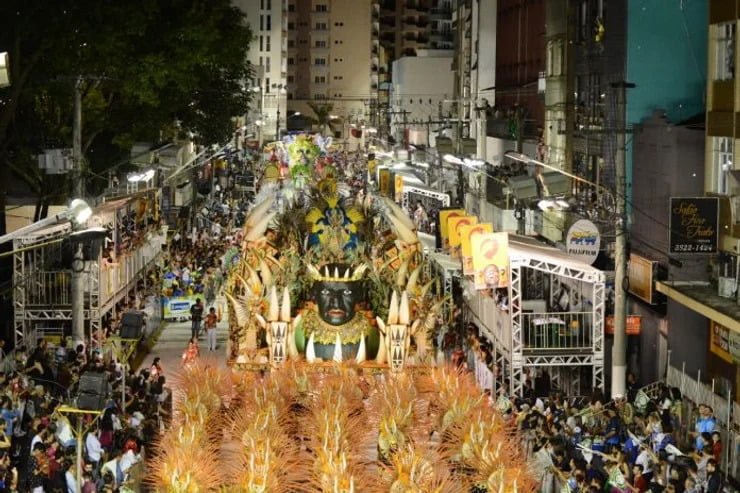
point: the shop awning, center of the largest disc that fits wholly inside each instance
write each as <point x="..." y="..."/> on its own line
<point x="702" y="298"/>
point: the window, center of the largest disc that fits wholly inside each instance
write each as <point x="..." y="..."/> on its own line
<point x="267" y="84"/>
<point x="291" y="7"/>
<point x="319" y="96"/>
<point x="320" y="44"/>
<point x="291" y="79"/>
<point x="319" y="79"/>
<point x="267" y="43"/>
<point x="319" y="61"/>
<point x="291" y="43"/>
<point x="268" y="22"/>
<point x="262" y="23"/>
<point x="320" y="7"/>
<point x="321" y="26"/>
<point x="291" y="26"/>
<point x="262" y="44"/>
<point x="269" y="4"/>
<point x="267" y="64"/>
<point x="725" y="51"/>
<point x="723" y="150"/>
<point x="291" y="61"/>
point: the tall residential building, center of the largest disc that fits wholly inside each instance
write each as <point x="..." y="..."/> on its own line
<point x="330" y="59"/>
<point x="405" y="27"/>
<point x="268" y="55"/>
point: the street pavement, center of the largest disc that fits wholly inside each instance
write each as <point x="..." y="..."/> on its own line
<point x="173" y="340"/>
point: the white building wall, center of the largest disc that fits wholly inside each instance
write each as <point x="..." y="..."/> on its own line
<point x="421" y="86"/>
<point x="270" y="61"/>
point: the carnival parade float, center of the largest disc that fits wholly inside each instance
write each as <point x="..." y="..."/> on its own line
<point x="334" y="385"/>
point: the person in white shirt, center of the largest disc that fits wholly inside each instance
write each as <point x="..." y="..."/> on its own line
<point x="128" y="459"/>
<point x="93" y="447"/>
<point x="69" y="478"/>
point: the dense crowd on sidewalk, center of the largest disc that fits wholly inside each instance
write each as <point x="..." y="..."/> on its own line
<point x="38" y="442"/>
<point x="632" y="443"/>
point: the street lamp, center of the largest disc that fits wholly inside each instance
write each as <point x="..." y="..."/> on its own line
<point x="281" y="88"/>
<point x="619" y="348"/>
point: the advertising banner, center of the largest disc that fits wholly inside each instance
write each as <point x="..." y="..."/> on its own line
<point x="454" y="229"/>
<point x="490" y="260"/>
<point x="384" y="182"/>
<point x="444" y="215"/>
<point x="583" y="241"/>
<point x="177" y="307"/>
<point x="633" y="325"/>
<point x="398" y="187"/>
<point x="641" y="277"/>
<point x="694" y="224"/>
<point x="467" y="232"/>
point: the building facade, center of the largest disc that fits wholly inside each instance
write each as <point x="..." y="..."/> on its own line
<point x="714" y="306"/>
<point x="268" y="56"/>
<point x="330" y="60"/>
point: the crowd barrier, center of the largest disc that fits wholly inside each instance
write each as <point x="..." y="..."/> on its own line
<point x="727" y="413"/>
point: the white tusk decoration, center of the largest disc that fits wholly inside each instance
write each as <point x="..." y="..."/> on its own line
<point x="346" y="273"/>
<point x="393" y="309"/>
<point x="361" y="352"/>
<point x="285" y="307"/>
<point x="310" y="350"/>
<point x="327" y="274"/>
<point x="403" y="313"/>
<point x="338" y="349"/>
<point x="274" y="311"/>
<point x="261" y="320"/>
<point x="258" y="231"/>
<point x="336" y="273"/>
<point x="413" y="279"/>
<point x="258" y="211"/>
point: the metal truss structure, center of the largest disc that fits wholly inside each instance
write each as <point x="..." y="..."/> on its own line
<point x="51" y="305"/>
<point x="446" y="269"/>
<point x="439" y="196"/>
<point x="504" y="331"/>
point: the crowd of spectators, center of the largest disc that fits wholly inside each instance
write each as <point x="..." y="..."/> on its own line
<point x="636" y="442"/>
<point x="38" y="442"/>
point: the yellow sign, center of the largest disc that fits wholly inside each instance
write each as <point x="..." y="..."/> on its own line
<point x="443" y="217"/>
<point x="384" y="182"/>
<point x="719" y="341"/>
<point x="467" y="233"/>
<point x="398" y="187"/>
<point x="454" y="225"/>
<point x="272" y="172"/>
<point x="371" y="165"/>
<point x="490" y="260"/>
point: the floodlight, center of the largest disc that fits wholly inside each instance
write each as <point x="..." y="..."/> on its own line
<point x="79" y="211"/>
<point x="546" y="204"/>
<point x="453" y="159"/>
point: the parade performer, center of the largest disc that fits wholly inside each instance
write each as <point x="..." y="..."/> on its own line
<point x="191" y="352"/>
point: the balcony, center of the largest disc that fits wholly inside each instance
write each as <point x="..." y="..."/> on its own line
<point x="118" y="277"/>
<point x="49" y="288"/>
<point x="441" y="35"/>
<point x="557" y="332"/>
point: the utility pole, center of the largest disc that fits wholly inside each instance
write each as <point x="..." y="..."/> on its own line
<point x="78" y="263"/>
<point x="619" y="348"/>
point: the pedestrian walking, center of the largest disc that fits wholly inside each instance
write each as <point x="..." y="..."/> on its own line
<point x="211" y="324"/>
<point x="196" y="316"/>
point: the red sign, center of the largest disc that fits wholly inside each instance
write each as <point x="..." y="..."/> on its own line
<point x="634" y="322"/>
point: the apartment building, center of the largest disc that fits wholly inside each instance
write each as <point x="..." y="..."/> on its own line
<point x="268" y="55"/>
<point x="330" y="60"/>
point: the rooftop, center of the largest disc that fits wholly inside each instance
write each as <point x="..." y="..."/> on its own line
<point x="702" y="297"/>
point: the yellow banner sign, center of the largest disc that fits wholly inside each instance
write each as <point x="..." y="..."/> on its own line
<point x="443" y="231"/>
<point x="454" y="228"/>
<point x="467" y="233"/>
<point x="490" y="260"/>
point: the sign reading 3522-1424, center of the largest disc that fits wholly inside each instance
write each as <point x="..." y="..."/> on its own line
<point x="694" y="224"/>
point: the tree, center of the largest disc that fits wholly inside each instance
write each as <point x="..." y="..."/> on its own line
<point x="142" y="65"/>
<point x="323" y="116"/>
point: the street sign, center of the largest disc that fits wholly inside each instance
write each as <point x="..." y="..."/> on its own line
<point x="694" y="225"/>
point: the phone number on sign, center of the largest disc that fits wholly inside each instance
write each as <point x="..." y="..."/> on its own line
<point x="693" y="248"/>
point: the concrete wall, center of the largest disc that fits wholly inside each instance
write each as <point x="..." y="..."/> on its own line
<point x="687" y="338"/>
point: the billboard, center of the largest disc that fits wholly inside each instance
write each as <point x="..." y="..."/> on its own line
<point x="694" y="224"/>
<point x="490" y="260"/>
<point x="444" y="215"/>
<point x="454" y="229"/>
<point x="633" y="325"/>
<point x="467" y="232"/>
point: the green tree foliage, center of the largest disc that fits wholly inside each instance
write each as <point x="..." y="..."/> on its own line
<point x="323" y="115"/>
<point x="142" y="65"/>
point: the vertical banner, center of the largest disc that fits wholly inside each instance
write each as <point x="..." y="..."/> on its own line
<point x="467" y="232"/>
<point x="384" y="179"/>
<point x="398" y="188"/>
<point x="490" y="260"/>
<point x="444" y="215"/>
<point x="454" y="230"/>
